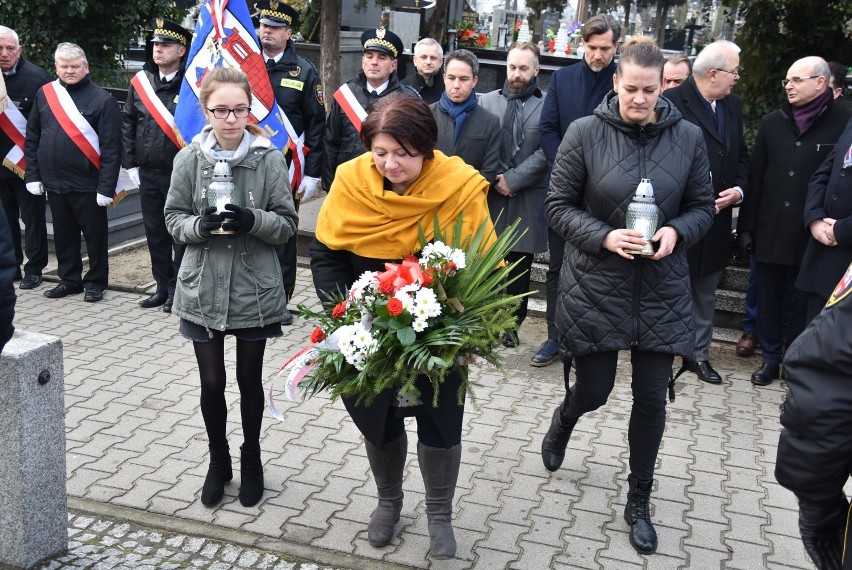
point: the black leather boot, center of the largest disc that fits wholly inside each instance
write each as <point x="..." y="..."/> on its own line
<point x="440" y="470"/>
<point x="637" y="513"/>
<point x="387" y="465"/>
<point x="556" y="439"/>
<point x="218" y="474"/>
<point x="251" y="476"/>
<point x="822" y="526"/>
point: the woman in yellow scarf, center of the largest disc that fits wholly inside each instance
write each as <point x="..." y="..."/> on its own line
<point x="371" y="216"/>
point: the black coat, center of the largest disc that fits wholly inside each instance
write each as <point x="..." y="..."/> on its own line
<point x="782" y="163"/>
<point x="337" y="270"/>
<point x="829" y="196"/>
<point x="429" y="93"/>
<point x="729" y="164"/>
<point x="8" y="267"/>
<point x="21" y="87"/>
<point x="606" y="302"/>
<point x="54" y="159"/>
<point x="299" y="93"/>
<point x="144" y="144"/>
<point x="342" y="139"/>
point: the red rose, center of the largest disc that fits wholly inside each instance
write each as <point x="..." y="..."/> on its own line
<point x="386" y="287"/>
<point x="412" y="258"/>
<point x="394" y="307"/>
<point x="339" y="310"/>
<point x="317" y="335"/>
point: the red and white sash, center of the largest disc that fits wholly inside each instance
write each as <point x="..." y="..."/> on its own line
<point x="153" y="105"/>
<point x="14" y="126"/>
<point x="298" y="150"/>
<point x="72" y="122"/>
<point x="350" y="106"/>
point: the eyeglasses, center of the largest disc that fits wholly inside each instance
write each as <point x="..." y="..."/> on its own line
<point x="222" y="112"/>
<point x="735" y="71"/>
<point x="796" y="80"/>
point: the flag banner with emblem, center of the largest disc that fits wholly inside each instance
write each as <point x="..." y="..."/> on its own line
<point x="225" y="37"/>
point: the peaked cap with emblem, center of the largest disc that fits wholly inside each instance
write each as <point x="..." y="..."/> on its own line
<point x="380" y="39"/>
<point x="277" y="14"/>
<point x="166" y="31"/>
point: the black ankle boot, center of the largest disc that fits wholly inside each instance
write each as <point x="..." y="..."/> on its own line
<point x="218" y="474"/>
<point x="637" y="513"/>
<point x="251" y="476"/>
<point x="556" y="439"/>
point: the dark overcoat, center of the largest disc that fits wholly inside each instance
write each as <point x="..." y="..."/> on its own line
<point x="782" y="163"/>
<point x="729" y="161"/>
<point x="479" y="140"/>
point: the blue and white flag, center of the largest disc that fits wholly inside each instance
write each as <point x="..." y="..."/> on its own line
<point x="225" y="37"/>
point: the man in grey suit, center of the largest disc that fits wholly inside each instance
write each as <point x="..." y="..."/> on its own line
<point x="521" y="183"/>
<point x="465" y="129"/>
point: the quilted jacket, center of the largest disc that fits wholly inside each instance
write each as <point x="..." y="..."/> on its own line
<point x="606" y="302"/>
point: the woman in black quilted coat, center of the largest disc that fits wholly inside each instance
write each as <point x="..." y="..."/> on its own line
<point x="611" y="300"/>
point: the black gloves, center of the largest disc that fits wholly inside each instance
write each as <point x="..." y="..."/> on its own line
<point x="210" y="221"/>
<point x="239" y="220"/>
<point x="745" y="244"/>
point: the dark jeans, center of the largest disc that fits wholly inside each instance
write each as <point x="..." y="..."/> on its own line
<point x="750" y="318"/>
<point x="773" y="295"/>
<point x="595" y="378"/>
<point x="165" y="254"/>
<point x="72" y="213"/>
<point x="522" y="284"/>
<point x="31" y="209"/>
<point x="556" y="248"/>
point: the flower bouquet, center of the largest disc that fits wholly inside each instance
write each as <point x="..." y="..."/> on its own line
<point x="426" y="316"/>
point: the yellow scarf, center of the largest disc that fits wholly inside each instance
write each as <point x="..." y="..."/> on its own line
<point x="360" y="216"/>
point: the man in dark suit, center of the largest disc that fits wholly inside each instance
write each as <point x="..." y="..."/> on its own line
<point x="705" y="99"/>
<point x="790" y="145"/>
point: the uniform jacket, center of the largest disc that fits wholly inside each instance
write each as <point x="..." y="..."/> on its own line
<point x="429" y="93"/>
<point x="606" y="302"/>
<point x="52" y="157"/>
<point x="782" y="163"/>
<point x="479" y="142"/>
<point x="342" y="140"/>
<point x="574" y="91"/>
<point x="144" y="144"/>
<point x="829" y="196"/>
<point x="298" y="90"/>
<point x="21" y="87"/>
<point x="729" y="163"/>
<point x="228" y="283"/>
<point x="527" y="176"/>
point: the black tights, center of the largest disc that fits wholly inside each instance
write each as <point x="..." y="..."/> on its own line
<point x="211" y="368"/>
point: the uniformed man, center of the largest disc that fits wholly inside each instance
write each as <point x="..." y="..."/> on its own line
<point x="299" y="93"/>
<point x="22" y="80"/>
<point x="149" y="145"/>
<point x="376" y="79"/>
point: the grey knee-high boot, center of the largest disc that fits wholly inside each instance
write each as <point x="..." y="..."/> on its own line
<point x="387" y="465"/>
<point x="440" y="470"/>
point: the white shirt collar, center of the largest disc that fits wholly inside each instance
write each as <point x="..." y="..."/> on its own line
<point x="168" y="77"/>
<point x="380" y="89"/>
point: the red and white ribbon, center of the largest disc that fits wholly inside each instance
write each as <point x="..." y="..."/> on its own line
<point x="153" y="105"/>
<point x="350" y="106"/>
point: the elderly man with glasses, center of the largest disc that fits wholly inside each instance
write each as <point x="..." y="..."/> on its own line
<point x="791" y="144"/>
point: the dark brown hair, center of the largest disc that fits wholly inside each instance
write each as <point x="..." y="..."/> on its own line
<point x="641" y="51"/>
<point x="599" y="25"/>
<point x="405" y="118"/>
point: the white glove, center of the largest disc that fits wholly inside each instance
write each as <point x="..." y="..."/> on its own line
<point x="133" y="174"/>
<point x="35" y="188"/>
<point x="104" y="200"/>
<point x="308" y="188"/>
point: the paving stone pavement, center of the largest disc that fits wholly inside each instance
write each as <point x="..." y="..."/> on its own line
<point x="137" y="452"/>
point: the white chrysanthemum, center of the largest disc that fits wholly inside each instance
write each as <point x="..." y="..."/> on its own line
<point x="405" y="298"/>
<point x="419" y="325"/>
<point x="457" y="257"/>
<point x="356" y="344"/>
<point x="363" y="284"/>
<point x="434" y="251"/>
<point x="426" y="303"/>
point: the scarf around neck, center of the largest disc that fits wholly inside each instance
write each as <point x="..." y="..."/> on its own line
<point x="458" y="112"/>
<point x="513" y="125"/>
<point x="806" y="114"/>
<point x="206" y="140"/>
<point x="360" y="216"/>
